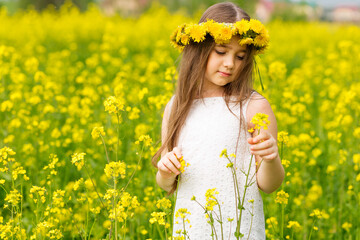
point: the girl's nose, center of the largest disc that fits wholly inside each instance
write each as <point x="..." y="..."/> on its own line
<point x="229" y="62"/>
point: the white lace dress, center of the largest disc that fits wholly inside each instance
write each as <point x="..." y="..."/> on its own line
<point x="209" y="128"/>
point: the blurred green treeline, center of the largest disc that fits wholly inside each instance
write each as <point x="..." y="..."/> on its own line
<point x="190" y="7"/>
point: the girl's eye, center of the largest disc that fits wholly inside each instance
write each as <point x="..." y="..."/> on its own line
<point x="219" y="52"/>
<point x="240" y="58"/>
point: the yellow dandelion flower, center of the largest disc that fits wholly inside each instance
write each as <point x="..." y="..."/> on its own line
<point x="184" y="39"/>
<point x="242" y="26"/>
<point x="256" y="25"/>
<point x="246" y="41"/>
<point x="196" y="32"/>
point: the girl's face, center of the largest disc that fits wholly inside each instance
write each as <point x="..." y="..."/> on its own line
<point x="223" y="63"/>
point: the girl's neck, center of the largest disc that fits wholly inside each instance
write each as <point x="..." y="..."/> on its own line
<point x="209" y="94"/>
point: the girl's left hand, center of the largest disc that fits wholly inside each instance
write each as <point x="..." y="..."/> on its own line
<point x="264" y="145"/>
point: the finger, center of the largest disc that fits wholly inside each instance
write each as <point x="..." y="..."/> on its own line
<point x="177" y="152"/>
<point x="163" y="168"/>
<point x="270" y="157"/>
<point x="262" y="145"/>
<point x="174" y="160"/>
<point x="170" y="165"/>
<point x="261" y="137"/>
<point x="262" y="152"/>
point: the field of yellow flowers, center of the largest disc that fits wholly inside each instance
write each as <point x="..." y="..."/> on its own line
<point x="81" y="100"/>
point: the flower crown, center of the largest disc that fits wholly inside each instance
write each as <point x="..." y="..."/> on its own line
<point x="251" y="32"/>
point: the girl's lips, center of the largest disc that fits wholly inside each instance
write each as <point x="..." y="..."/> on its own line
<point x="224" y="74"/>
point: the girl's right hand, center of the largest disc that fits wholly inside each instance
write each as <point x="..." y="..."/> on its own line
<point x="169" y="164"/>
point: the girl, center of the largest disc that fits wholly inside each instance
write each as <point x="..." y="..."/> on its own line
<point x="211" y="111"/>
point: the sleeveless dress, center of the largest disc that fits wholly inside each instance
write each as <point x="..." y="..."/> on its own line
<point x="210" y="128"/>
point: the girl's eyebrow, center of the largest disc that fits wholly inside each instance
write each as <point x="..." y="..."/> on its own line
<point x="226" y="46"/>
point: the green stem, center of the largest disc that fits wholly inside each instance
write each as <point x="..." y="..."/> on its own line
<point x="282" y="221"/>
<point x="106" y="151"/>
<point x="114" y="209"/>
<point x="312" y="228"/>
<point x="159" y="230"/>
<point x="92" y="228"/>
<point x="243" y="197"/>
<point x="138" y="163"/>
<point x="118" y="139"/>
<point x="94" y="186"/>
<point x="236" y="189"/>
<point x="251" y="223"/>
<point x="221" y="220"/>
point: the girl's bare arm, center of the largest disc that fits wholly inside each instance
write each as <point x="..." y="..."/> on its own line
<point x="168" y="166"/>
<point x="271" y="173"/>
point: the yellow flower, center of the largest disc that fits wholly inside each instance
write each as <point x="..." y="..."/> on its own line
<point x="294" y="225"/>
<point x="17" y="169"/>
<point x="282" y="197"/>
<point x="57" y="199"/>
<point x="5" y="154"/>
<point x="163" y="203"/>
<point x="183" y="164"/>
<point x="277" y="70"/>
<point x="77" y="184"/>
<point x="13" y="197"/>
<point x="211" y="200"/>
<point x="256" y="25"/>
<point x="224" y="153"/>
<point x="260" y="120"/>
<point x="346" y="226"/>
<point x="40" y="191"/>
<point x="158" y="217"/>
<point x="285" y="163"/>
<point x="78" y="160"/>
<point x="54" y="234"/>
<point x="182" y="212"/>
<point x="214" y="28"/>
<point x="97" y="132"/>
<point x="115" y="169"/>
<point x="283" y="137"/>
<point x="113" y="105"/>
<point x="316" y="213"/>
<point x="196" y="32"/>
<point x="245" y="41"/>
<point x="271" y="222"/>
<point x="184" y="38"/>
<point x="229" y="165"/>
<point x="146" y="139"/>
<point x="242" y="26"/>
<point x="226" y="33"/>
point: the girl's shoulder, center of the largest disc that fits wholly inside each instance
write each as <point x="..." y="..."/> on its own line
<point x="168" y="106"/>
<point x="258" y="104"/>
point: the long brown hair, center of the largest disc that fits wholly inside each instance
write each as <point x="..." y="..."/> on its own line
<point x="191" y="76"/>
